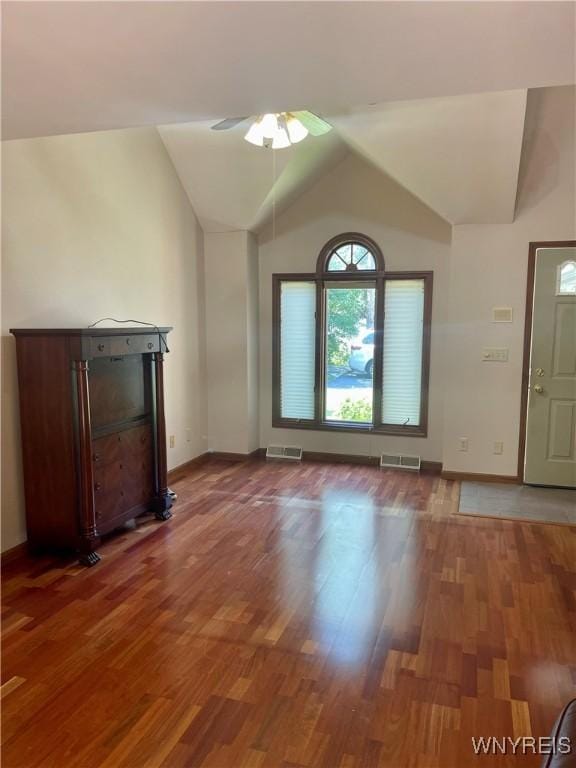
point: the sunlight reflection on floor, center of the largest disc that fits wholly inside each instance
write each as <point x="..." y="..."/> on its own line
<point x="334" y="570"/>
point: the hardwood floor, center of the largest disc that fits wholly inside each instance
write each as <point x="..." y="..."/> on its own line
<point x="328" y="616"/>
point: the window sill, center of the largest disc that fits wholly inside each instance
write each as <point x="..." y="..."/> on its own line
<point x="358" y="429"/>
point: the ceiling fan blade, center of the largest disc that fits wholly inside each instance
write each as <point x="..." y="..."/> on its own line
<point x="230" y="122"/>
<point x="313" y="123"/>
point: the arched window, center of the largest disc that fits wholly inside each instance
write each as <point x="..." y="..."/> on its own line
<point x="566" y="279"/>
<point x="351" y="252"/>
<point x="352" y="343"/>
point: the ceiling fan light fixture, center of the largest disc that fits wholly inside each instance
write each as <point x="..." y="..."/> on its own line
<point x="296" y="131"/>
<point x="278" y="129"/>
<point x="255" y="134"/>
<point x="282" y="129"/>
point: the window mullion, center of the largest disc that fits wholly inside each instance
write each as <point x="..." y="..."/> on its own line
<point x="426" y="336"/>
<point x="319" y="372"/>
<point x="377" y="372"/>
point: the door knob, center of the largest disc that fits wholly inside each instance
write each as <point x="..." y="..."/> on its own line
<point x="538" y="389"/>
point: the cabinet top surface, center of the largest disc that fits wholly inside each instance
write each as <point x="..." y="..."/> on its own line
<point x="98" y="331"/>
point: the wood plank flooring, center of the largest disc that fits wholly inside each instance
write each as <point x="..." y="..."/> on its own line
<point x="314" y="615"/>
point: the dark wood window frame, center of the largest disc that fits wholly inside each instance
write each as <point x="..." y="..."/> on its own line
<point x="379" y="277"/>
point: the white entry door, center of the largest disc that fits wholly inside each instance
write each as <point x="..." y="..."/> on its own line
<point x="551" y="418"/>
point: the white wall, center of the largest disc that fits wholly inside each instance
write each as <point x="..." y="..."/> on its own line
<point x="253" y="356"/>
<point x="354" y="196"/>
<point x="231" y="341"/>
<point x="98" y="225"/>
<point x="488" y="266"/>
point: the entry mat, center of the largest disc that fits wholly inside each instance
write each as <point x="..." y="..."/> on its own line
<point x="518" y="502"/>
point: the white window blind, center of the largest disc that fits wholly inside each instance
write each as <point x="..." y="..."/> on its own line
<point x="402" y="359"/>
<point x="297" y="349"/>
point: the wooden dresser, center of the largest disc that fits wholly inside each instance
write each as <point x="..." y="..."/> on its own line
<point x="93" y="432"/>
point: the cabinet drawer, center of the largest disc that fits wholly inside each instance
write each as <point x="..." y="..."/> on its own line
<point x="137" y="442"/>
<point x="106" y="450"/>
<point x="138" y="483"/>
<point x="123" y="446"/>
<point x="134" y="344"/>
<point x="118" y="489"/>
<point x="123" y="466"/>
<point x="109" y="494"/>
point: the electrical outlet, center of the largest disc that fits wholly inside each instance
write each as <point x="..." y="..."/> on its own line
<point x="172" y="441"/>
<point x="498" y="447"/>
<point x="463" y="444"/>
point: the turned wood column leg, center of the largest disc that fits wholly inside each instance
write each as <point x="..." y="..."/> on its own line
<point x="162" y="499"/>
<point x="89" y="539"/>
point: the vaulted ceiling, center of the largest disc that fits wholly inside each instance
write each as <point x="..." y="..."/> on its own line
<point x="460" y="154"/>
<point x="431" y="93"/>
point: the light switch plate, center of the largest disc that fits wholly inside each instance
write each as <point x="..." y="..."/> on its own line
<point x="495" y="355"/>
<point x="502" y="314"/>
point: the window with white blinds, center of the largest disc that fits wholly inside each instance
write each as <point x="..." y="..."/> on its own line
<point x="351" y="343"/>
<point x="402" y="352"/>
<point x="297" y="349"/>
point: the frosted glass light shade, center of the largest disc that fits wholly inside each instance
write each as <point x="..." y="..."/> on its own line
<point x="255" y="134"/>
<point x="269" y="126"/>
<point x="296" y="131"/>
<point x="281" y="140"/>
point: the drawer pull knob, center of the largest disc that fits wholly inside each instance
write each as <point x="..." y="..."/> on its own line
<point x="100" y="347"/>
<point x="128" y="341"/>
<point x="97" y="487"/>
<point x="96" y="457"/>
<point x="150" y="345"/>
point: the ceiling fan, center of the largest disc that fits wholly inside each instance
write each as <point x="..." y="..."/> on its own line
<point x="278" y="129"/>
